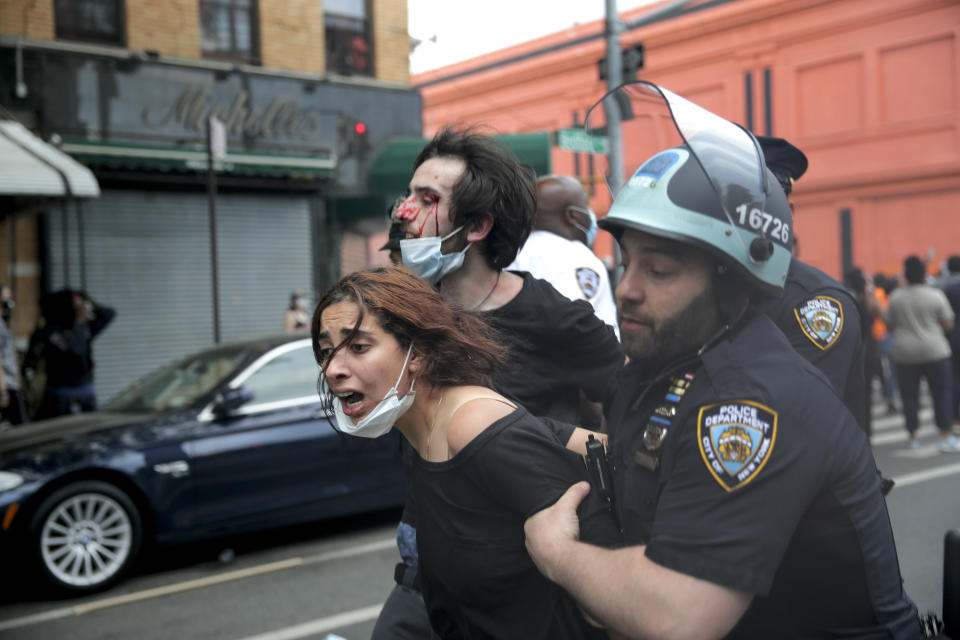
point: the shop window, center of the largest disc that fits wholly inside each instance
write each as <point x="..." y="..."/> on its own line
<point x="349" y="41"/>
<point x="228" y="29"/>
<point x="97" y="21"/>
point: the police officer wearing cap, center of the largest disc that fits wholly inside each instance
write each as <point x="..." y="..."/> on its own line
<point x="747" y="494"/>
<point x="818" y="315"/>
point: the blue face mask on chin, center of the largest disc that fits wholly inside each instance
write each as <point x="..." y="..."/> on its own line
<point x="423" y="257"/>
<point x="591" y="232"/>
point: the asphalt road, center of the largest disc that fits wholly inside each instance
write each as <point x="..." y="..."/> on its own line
<point x="329" y="580"/>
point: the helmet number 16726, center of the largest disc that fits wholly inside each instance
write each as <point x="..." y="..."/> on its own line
<point x="761" y="221"/>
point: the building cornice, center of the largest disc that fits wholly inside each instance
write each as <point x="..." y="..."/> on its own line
<point x="217" y="66"/>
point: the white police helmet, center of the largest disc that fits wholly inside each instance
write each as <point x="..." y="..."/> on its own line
<point x="711" y="190"/>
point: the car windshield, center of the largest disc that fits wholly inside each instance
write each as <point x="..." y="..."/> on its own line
<point x="180" y="384"/>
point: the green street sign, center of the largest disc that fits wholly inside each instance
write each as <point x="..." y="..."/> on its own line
<point x="580" y="140"/>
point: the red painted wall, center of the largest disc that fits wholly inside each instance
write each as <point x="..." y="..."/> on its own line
<point x="867" y="88"/>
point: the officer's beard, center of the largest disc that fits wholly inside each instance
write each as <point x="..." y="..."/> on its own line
<point x="677" y="337"/>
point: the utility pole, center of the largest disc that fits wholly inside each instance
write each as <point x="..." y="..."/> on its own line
<point x="612" y="29"/>
<point x="216" y="150"/>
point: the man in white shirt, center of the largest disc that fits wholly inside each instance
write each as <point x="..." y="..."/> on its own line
<point x="559" y="248"/>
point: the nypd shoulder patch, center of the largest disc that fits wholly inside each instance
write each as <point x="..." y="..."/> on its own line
<point x="736" y="439"/>
<point x="821" y="320"/>
<point x="589" y="281"/>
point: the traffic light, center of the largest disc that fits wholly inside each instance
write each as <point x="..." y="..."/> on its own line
<point x="631" y="59"/>
<point x="354" y="140"/>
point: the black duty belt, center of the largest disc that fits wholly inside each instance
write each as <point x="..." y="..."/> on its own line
<point x="407" y="576"/>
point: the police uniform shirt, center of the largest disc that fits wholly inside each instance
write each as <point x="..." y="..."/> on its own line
<point x="555" y="349"/>
<point x="821" y="320"/>
<point x="764" y="484"/>
<point x="573" y="270"/>
<point x="478" y="580"/>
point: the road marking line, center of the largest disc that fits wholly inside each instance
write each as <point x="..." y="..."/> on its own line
<point x="901" y="436"/>
<point x="369" y="547"/>
<point x="321" y="624"/>
<point x="36" y="618"/>
<point x="189" y="585"/>
<point x="156" y="592"/>
<point x="926" y="451"/>
<point x="886" y="422"/>
<point x="927" y="474"/>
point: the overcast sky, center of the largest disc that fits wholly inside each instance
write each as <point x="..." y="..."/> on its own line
<point x="465" y="29"/>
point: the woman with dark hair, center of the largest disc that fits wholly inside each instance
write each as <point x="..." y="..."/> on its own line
<point x="393" y="352"/>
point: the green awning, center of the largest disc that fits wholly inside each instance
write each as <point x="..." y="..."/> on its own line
<point x="158" y="158"/>
<point x="343" y="208"/>
<point x="389" y="173"/>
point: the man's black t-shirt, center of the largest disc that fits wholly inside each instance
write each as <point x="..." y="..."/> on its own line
<point x="478" y="580"/>
<point x="556" y="347"/>
<point x="765" y="484"/>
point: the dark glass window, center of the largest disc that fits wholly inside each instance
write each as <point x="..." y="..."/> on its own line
<point x="228" y="29"/>
<point x="349" y="41"/>
<point x="99" y="21"/>
<point x="289" y="376"/>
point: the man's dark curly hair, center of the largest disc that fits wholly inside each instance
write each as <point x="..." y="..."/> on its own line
<point x="493" y="183"/>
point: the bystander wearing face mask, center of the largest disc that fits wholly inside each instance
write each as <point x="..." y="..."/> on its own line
<point x="591" y="232"/>
<point x="424" y="258"/>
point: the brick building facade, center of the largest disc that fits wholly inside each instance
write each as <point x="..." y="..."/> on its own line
<point x="869" y="89"/>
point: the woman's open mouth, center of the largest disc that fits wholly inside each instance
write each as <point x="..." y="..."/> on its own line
<point x="352" y="403"/>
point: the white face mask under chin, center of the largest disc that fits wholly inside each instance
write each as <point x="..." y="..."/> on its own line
<point x="424" y="258"/>
<point x="383" y="416"/>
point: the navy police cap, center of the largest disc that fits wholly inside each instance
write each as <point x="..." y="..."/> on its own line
<point x="783" y="159"/>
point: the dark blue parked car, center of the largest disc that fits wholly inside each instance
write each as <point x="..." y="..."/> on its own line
<point x="231" y="439"/>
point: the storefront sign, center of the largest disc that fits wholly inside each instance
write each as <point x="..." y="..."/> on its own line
<point x="282" y="118"/>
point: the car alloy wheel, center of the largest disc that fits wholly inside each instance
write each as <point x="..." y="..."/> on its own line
<point x="86" y="534"/>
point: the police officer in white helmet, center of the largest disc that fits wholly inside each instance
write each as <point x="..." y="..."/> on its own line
<point x="747" y="494"/>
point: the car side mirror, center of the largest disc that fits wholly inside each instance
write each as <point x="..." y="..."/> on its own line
<point x="230" y="400"/>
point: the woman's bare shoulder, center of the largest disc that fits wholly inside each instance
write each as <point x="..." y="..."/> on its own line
<point x="473" y="410"/>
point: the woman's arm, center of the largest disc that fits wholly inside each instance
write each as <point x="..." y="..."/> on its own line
<point x="578" y="440"/>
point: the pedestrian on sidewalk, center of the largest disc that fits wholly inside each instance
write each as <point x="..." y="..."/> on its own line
<point x="296" y="320"/>
<point x="919" y="315"/>
<point x="12" y="408"/>
<point x="72" y="321"/>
